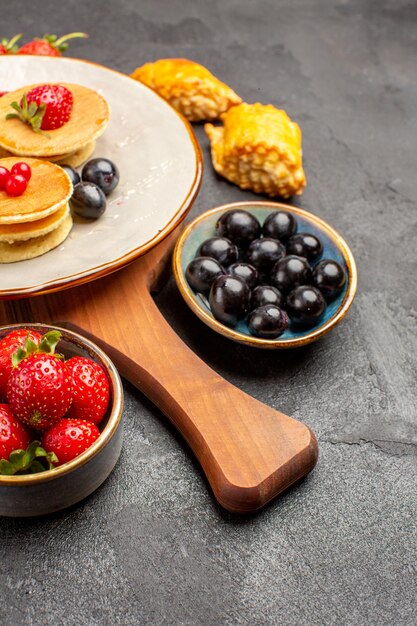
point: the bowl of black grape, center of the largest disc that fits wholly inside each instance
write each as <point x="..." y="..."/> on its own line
<point x="265" y="274"/>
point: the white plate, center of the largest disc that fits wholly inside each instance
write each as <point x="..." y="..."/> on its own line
<point x="160" y="172"/>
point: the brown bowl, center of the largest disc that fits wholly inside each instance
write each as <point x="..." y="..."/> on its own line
<point x="53" y="490"/>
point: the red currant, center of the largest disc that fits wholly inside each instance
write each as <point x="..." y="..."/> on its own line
<point x="4" y="175"/>
<point x="23" y="169"/>
<point x="16" y="185"/>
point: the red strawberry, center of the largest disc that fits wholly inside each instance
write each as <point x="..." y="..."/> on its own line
<point x="13" y="434"/>
<point x="8" y="345"/>
<point x="45" y="107"/>
<point x="69" y="437"/>
<point x="49" y="45"/>
<point x="39" y="390"/>
<point x="3" y="93"/>
<point x="91" y="390"/>
<point x="8" y="46"/>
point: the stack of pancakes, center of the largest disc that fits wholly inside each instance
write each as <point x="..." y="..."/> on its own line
<point x="72" y="144"/>
<point x="39" y="219"/>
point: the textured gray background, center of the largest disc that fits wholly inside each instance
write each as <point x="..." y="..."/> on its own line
<point x="151" y="546"/>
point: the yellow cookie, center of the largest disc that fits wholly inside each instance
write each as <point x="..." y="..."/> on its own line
<point x="48" y="190"/>
<point x="189" y="87"/>
<point x="89" y="117"/>
<point x="259" y="148"/>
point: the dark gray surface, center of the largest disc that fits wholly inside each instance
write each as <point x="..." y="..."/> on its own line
<point x="151" y="546"/>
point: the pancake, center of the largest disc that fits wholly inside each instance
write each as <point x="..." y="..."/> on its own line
<point x="89" y="117"/>
<point x="23" y="250"/>
<point x="74" y="159"/>
<point x="48" y="190"/>
<point x="10" y="233"/>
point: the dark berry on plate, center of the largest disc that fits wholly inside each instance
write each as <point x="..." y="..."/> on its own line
<point x="305" y="305"/>
<point x="264" y="253"/>
<point x="306" y="245"/>
<point x="72" y="173"/>
<point x="103" y="173"/>
<point x="23" y="169"/>
<point x="267" y="321"/>
<point x="229" y="299"/>
<point x="201" y="272"/>
<point x="240" y="226"/>
<point x="329" y="277"/>
<point x="279" y="225"/>
<point x="265" y="294"/>
<point x="88" y="200"/>
<point x="247" y="272"/>
<point x="290" y="272"/>
<point x="219" y="248"/>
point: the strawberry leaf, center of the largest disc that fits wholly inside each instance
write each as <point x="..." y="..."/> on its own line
<point x="6" y="468"/>
<point x="18" y="458"/>
<point x="30" y="346"/>
<point x="10" y="44"/>
<point x="49" y="341"/>
<point x="52" y="459"/>
<point x="18" y="356"/>
<point x="30" y="114"/>
<point x="36" y="467"/>
<point x="47" y="345"/>
<point x="60" y="44"/>
<point x="32" y="108"/>
<point x="30" y="461"/>
<point x="50" y="38"/>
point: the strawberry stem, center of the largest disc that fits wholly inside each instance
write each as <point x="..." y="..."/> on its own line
<point x="60" y="44"/>
<point x="29" y="114"/>
<point x="49" y="342"/>
<point x="10" y="44"/>
<point x="30" y="461"/>
<point x="47" y="345"/>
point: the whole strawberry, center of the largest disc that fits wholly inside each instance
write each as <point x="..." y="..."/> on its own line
<point x="91" y="390"/>
<point x="45" y="107"/>
<point x="49" y="45"/>
<point x="8" y="345"/>
<point x="13" y="434"/>
<point x="8" y="46"/>
<point x="39" y="390"/>
<point x="69" y="437"/>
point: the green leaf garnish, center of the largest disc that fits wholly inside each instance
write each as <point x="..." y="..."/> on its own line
<point x="30" y="461"/>
<point x="30" y="114"/>
<point x="49" y="342"/>
<point x="10" y="44"/>
<point x="47" y="345"/>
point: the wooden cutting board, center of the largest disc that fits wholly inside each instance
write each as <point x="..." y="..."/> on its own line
<point x="249" y="452"/>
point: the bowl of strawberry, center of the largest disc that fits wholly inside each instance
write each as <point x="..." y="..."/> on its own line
<point x="61" y="403"/>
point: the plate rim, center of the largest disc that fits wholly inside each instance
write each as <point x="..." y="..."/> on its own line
<point x="80" y="278"/>
<point x="253" y="341"/>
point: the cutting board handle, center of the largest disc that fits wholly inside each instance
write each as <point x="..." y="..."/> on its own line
<point x="249" y="452"/>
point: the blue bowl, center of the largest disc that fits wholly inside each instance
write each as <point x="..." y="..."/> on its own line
<point x="334" y="247"/>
